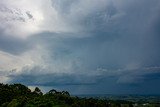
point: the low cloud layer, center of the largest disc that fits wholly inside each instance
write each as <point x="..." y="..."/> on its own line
<point x="87" y="43"/>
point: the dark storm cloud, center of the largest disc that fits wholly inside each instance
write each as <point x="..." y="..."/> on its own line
<point x="55" y="79"/>
<point x="119" y="46"/>
<point x="127" y="42"/>
<point x="52" y="79"/>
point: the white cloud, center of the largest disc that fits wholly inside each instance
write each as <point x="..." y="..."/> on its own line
<point x="50" y="16"/>
<point x="16" y="20"/>
<point x="15" y="64"/>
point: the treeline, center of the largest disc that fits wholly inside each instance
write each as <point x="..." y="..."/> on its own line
<point x="18" y="95"/>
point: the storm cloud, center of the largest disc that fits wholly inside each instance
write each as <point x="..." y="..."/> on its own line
<point x="92" y="45"/>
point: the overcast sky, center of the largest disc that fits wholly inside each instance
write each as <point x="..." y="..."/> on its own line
<point x="83" y="46"/>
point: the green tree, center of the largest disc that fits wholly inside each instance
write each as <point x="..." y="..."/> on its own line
<point x="37" y="91"/>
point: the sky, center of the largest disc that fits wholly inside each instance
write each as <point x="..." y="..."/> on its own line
<point x="82" y="46"/>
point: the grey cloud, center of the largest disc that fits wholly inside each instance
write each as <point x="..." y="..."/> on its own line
<point x="122" y="37"/>
<point x="140" y="75"/>
<point x="14" y="45"/>
<point x="54" y="79"/>
<point x="30" y="16"/>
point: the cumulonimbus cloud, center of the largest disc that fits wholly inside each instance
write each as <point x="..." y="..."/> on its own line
<point x="72" y="38"/>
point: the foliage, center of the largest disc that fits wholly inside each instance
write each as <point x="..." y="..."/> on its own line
<point x="18" y="95"/>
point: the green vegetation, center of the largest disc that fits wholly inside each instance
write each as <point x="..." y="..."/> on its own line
<point x="18" y="95"/>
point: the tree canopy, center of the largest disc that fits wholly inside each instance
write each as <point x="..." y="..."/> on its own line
<point x="18" y="95"/>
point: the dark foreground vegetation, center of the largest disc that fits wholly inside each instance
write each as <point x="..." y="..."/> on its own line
<point x="18" y="95"/>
